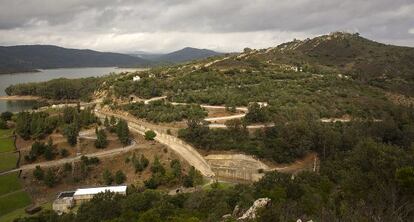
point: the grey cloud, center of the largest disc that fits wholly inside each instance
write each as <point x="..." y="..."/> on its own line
<point x="381" y="20"/>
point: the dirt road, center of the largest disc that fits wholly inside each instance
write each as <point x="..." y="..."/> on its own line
<point x="105" y="153"/>
<point x="186" y="151"/>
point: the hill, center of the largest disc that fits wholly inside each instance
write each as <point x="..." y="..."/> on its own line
<point x="386" y="66"/>
<point x="183" y="55"/>
<point x="31" y="57"/>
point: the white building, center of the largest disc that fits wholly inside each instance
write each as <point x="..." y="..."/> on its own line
<point x="67" y="200"/>
<point x="136" y="78"/>
<point x="86" y="194"/>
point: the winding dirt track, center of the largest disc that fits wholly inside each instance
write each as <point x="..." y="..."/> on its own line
<point x="186" y="151"/>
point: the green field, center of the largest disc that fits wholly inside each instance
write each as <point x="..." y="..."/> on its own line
<point x="13" y="201"/>
<point x="9" y="183"/>
<point x="19" y="213"/>
<point x="8" y="161"/>
<point x="219" y="185"/>
<point x="6" y="133"/>
<point x="6" y="144"/>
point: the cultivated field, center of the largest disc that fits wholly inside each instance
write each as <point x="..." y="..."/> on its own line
<point x="12" y="196"/>
<point x="8" y="161"/>
<point x="13" y="201"/>
<point x="9" y="183"/>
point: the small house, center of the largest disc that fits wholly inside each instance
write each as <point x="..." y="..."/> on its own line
<point x="136" y="78"/>
<point x="68" y="199"/>
<point x="64" y="202"/>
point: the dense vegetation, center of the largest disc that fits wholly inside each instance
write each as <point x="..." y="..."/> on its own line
<point x="373" y="180"/>
<point x="289" y="140"/>
<point x="160" y="111"/>
<point x="59" y="89"/>
<point x="37" y="125"/>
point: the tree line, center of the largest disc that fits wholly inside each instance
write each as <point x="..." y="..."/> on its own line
<point x="161" y="111"/>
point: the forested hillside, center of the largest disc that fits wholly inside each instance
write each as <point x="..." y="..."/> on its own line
<point x="31" y="57"/>
<point x="328" y="96"/>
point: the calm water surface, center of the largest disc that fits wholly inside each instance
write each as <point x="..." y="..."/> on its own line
<point x="45" y="75"/>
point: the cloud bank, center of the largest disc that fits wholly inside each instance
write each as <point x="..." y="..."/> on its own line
<point x="165" y="25"/>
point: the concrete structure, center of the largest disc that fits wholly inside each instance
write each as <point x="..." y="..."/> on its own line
<point x="82" y="195"/>
<point x="64" y="202"/>
<point x="237" y="167"/>
<point x="67" y="200"/>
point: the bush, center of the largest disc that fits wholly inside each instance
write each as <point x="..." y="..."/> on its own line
<point x="64" y="152"/>
<point x="107" y="177"/>
<point x="150" y="135"/>
<point x="3" y="124"/>
<point x="38" y="173"/>
<point x="50" y="178"/>
<point x="140" y="164"/>
<point x="120" y="177"/>
<point x="67" y="167"/>
<point x="6" y="116"/>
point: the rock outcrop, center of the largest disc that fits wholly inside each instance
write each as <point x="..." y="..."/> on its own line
<point x="251" y="213"/>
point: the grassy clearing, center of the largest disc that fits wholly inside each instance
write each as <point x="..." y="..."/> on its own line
<point x="6" y="144"/>
<point x="6" y="133"/>
<point x="9" y="183"/>
<point x="13" y="202"/>
<point x="8" y="161"/>
<point x="20" y="213"/>
<point x="219" y="185"/>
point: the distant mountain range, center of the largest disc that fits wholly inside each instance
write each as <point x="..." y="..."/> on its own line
<point x="32" y="57"/>
<point x="179" y="56"/>
<point x="27" y="58"/>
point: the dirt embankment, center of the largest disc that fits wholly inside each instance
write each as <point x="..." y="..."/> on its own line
<point x="241" y="167"/>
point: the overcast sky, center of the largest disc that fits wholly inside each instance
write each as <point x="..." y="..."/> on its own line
<point x="223" y="25"/>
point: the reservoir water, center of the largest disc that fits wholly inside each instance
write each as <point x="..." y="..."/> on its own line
<point x="45" y="75"/>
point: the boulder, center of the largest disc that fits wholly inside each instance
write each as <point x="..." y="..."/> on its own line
<point x="251" y="213"/>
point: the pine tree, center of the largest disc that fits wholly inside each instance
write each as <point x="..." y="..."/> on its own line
<point x="106" y="122"/>
<point x="71" y="132"/>
<point x="101" y="139"/>
<point x="123" y="132"/>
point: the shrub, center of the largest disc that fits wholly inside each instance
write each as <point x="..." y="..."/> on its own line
<point x="50" y="178"/>
<point x="150" y="135"/>
<point x="120" y="177"/>
<point x="107" y="177"/>
<point x="38" y="173"/>
<point x="6" y="116"/>
<point x="64" y="152"/>
<point x="3" y="124"/>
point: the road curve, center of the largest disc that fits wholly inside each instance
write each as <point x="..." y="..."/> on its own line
<point x="186" y="151"/>
<point x="52" y="163"/>
<point x="238" y="116"/>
